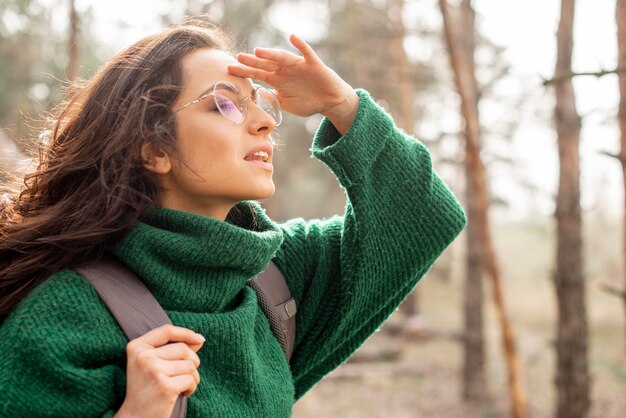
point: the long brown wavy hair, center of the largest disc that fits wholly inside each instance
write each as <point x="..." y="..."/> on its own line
<point x="91" y="185"/>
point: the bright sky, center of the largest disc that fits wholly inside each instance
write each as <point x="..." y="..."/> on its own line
<point x="527" y="29"/>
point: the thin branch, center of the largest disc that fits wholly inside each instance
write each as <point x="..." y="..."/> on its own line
<point x="504" y="71"/>
<point x="598" y="74"/>
<point x="610" y="154"/>
<point x="613" y="289"/>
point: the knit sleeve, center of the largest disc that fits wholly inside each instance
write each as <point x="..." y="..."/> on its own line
<point x="54" y="362"/>
<point x="349" y="273"/>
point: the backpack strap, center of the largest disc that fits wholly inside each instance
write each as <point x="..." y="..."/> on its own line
<point x="131" y="303"/>
<point x="278" y="305"/>
<point x="137" y="311"/>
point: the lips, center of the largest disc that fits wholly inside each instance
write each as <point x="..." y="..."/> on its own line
<point x="260" y="149"/>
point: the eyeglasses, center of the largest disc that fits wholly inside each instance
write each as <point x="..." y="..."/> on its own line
<point x="232" y="105"/>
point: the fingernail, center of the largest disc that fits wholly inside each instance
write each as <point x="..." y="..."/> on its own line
<point x="200" y="337"/>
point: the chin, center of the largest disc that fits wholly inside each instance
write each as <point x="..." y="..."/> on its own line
<point x="267" y="195"/>
<point x="263" y="193"/>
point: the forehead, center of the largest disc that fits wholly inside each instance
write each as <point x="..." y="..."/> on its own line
<point x="204" y="67"/>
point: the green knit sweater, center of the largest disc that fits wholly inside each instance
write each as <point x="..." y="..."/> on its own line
<point x="63" y="354"/>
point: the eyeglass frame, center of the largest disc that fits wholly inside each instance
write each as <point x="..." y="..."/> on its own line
<point x="237" y="91"/>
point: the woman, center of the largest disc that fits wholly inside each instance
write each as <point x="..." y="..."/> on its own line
<point x="158" y="160"/>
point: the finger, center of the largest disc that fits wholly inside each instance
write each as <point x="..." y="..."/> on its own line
<point x="168" y="333"/>
<point x="177" y="351"/>
<point x="253" y="61"/>
<point x="304" y="48"/>
<point x="278" y="55"/>
<point x="195" y="347"/>
<point x="179" y="368"/>
<point x="249" y="72"/>
<point x="185" y="384"/>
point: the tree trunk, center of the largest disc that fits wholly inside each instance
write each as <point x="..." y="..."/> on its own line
<point x="72" y="67"/>
<point x="403" y="97"/>
<point x="620" y="18"/>
<point x="461" y="59"/>
<point x="572" y="376"/>
<point x="474" y="381"/>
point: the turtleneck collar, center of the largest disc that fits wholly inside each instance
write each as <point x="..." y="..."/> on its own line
<point x="194" y="262"/>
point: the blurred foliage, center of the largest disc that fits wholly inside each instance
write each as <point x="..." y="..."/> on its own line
<point x="33" y="55"/>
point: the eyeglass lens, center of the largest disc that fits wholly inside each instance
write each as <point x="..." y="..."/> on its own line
<point x="231" y="103"/>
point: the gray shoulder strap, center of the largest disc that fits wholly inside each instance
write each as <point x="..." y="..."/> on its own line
<point x="278" y="305"/>
<point x="127" y="297"/>
<point x="137" y="311"/>
<point x="130" y="302"/>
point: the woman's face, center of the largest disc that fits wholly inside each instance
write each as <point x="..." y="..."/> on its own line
<point x="213" y="170"/>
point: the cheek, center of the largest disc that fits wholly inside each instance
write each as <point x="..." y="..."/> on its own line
<point x="207" y="148"/>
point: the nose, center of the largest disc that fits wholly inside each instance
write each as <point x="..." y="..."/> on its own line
<point x="260" y="121"/>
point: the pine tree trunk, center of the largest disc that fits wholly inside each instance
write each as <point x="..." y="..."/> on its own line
<point x="461" y="53"/>
<point x="72" y="67"/>
<point x="474" y="380"/>
<point x="572" y="376"/>
<point x="620" y="18"/>
<point x="405" y="114"/>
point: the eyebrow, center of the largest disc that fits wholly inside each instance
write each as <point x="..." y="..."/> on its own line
<point x="205" y="92"/>
<point x="210" y="89"/>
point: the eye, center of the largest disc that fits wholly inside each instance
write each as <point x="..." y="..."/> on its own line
<point x="212" y="108"/>
<point x="218" y="103"/>
<point x="227" y="105"/>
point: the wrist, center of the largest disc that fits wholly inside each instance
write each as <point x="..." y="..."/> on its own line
<point x="343" y="114"/>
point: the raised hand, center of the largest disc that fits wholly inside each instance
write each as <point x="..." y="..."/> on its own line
<point x="303" y="84"/>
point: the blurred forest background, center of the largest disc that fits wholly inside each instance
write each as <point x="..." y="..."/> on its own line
<point x="524" y="314"/>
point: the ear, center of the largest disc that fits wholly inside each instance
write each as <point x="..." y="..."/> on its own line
<point x="155" y="159"/>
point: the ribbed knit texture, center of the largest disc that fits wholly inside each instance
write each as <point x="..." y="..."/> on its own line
<point x="63" y="354"/>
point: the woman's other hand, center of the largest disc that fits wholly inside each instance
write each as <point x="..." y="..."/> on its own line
<point x="303" y="84"/>
<point x="161" y="365"/>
